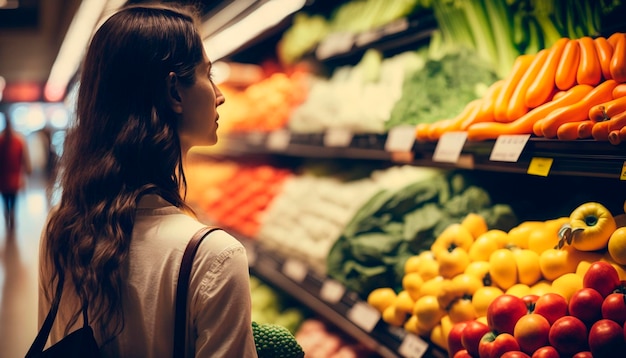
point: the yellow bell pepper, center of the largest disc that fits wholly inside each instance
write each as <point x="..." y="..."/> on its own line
<point x="455" y="235"/>
<point x="557" y="262"/>
<point x="591" y="226"/>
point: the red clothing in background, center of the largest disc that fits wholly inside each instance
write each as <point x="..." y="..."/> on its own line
<point x="12" y="153"/>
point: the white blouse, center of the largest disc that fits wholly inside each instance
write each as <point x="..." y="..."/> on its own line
<point x="219" y="306"/>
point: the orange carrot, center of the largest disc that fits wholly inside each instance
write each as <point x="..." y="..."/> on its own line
<point x="421" y="131"/>
<point x="589" y="69"/>
<point x="524" y="124"/>
<point x="440" y="127"/>
<point x="577" y="111"/>
<point x="565" y="77"/>
<point x="486" y="112"/>
<point x="520" y="66"/>
<point x="617" y="122"/>
<point x="619" y="90"/>
<point x="471" y="114"/>
<point x="605" y="52"/>
<point x="618" y="60"/>
<point x="584" y="129"/>
<point x="600" y="131"/>
<point x="605" y="111"/>
<point x="543" y="84"/>
<point x="569" y="130"/>
<point x="571" y="96"/>
<point x="614" y="137"/>
<point x="517" y="107"/>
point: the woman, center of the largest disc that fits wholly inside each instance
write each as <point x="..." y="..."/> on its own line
<point x="145" y="98"/>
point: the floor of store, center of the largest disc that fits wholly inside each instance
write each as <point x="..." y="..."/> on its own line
<point x="18" y="270"/>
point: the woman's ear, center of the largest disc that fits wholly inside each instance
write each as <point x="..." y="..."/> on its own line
<point x="172" y="95"/>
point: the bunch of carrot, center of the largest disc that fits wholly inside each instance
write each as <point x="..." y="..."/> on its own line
<point x="575" y="89"/>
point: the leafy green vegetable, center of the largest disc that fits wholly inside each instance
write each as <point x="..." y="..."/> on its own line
<point x="396" y="224"/>
<point x="441" y="89"/>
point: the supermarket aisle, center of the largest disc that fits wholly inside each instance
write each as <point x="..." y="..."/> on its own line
<point x="18" y="270"/>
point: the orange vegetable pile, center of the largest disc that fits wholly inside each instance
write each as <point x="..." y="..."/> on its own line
<point x="233" y="195"/>
<point x="266" y="105"/>
<point x="575" y="89"/>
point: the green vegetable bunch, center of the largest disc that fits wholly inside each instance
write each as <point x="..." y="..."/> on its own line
<point x="275" y="341"/>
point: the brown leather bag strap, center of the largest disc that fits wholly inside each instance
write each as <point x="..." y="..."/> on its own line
<point x="184" y="274"/>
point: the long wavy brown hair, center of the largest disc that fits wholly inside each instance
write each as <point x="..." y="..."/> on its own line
<point x="123" y="144"/>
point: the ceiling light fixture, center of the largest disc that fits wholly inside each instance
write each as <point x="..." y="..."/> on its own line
<point x="261" y="19"/>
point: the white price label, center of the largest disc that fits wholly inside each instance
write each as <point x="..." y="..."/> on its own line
<point x="334" y="44"/>
<point x="337" y="137"/>
<point x="400" y="139"/>
<point x="364" y="316"/>
<point x="332" y="291"/>
<point x="278" y="140"/>
<point x="449" y="147"/>
<point x="412" y="346"/>
<point x="295" y="270"/>
<point x="508" y="148"/>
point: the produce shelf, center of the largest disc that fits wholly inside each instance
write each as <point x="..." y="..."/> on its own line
<point x="396" y="36"/>
<point x="587" y="158"/>
<point x="331" y="300"/>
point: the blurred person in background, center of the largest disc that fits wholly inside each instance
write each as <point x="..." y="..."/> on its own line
<point x="117" y="236"/>
<point x="14" y="167"/>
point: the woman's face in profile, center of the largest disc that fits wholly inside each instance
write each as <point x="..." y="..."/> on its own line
<point x="199" y="117"/>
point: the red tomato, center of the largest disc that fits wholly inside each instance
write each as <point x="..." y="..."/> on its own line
<point x="602" y="277"/>
<point x="614" y="307"/>
<point x="568" y="335"/>
<point x="585" y="354"/>
<point x="515" y="354"/>
<point x="471" y="336"/>
<point x="586" y="304"/>
<point x="454" y="338"/>
<point x="546" y="352"/>
<point x="530" y="301"/>
<point x="531" y="332"/>
<point x="462" y="354"/>
<point x="503" y="313"/>
<point x="552" y="306"/>
<point x="495" y="345"/>
<point x="606" y="339"/>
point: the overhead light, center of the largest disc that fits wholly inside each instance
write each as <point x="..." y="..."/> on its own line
<point x="75" y="43"/>
<point x="261" y="19"/>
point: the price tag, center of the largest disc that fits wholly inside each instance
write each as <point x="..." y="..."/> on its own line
<point x="364" y="316"/>
<point x="337" y="137"/>
<point x="412" y="346"/>
<point x="540" y="166"/>
<point x="400" y="139"/>
<point x="332" y="291"/>
<point x="334" y="44"/>
<point x="449" y="147"/>
<point x="278" y="140"/>
<point x="623" y="175"/>
<point x="508" y="148"/>
<point x="295" y="270"/>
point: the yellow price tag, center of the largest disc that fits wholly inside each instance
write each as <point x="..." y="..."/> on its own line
<point x="540" y="166"/>
<point x="623" y="175"/>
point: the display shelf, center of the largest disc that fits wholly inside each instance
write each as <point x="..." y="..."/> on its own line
<point x="395" y="36"/>
<point x="331" y="300"/>
<point x="587" y="158"/>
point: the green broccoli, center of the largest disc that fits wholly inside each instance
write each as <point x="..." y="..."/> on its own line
<point x="275" y="341"/>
